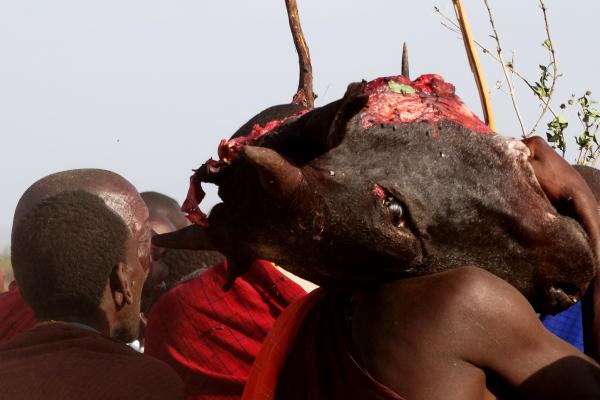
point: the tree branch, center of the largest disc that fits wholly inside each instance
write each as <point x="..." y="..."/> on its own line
<point x="505" y="70"/>
<point x="454" y="27"/>
<point x="554" y="68"/>
<point x="305" y="94"/>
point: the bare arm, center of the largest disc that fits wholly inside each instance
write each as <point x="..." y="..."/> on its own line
<point x="509" y="341"/>
<point x="563" y="185"/>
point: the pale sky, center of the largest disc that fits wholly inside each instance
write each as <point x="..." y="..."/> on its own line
<point x="148" y="88"/>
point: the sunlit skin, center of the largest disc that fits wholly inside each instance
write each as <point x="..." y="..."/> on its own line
<point x="477" y="333"/>
<point x="125" y="306"/>
<point x="119" y="312"/>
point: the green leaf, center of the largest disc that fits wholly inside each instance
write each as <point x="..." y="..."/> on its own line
<point x="400" y="88"/>
<point x="546" y="44"/>
<point x="541" y="91"/>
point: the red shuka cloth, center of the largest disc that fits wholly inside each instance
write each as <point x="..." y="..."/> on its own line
<point x="15" y="315"/>
<point x="211" y="337"/>
<point x="64" y="362"/>
<point x="307" y="356"/>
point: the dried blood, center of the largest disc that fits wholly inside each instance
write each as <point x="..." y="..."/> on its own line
<point x="228" y="151"/>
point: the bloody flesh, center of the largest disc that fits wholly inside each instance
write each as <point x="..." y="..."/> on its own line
<point x="431" y="100"/>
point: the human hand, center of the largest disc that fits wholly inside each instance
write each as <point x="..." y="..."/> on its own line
<point x="565" y="187"/>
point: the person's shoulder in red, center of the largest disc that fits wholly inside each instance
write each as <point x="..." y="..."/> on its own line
<point x="211" y="337"/>
<point x="58" y="360"/>
<point x="15" y="315"/>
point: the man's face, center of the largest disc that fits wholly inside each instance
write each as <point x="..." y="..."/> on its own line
<point x="159" y="271"/>
<point x="137" y="252"/>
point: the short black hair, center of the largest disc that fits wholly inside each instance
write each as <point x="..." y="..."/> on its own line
<point x="63" y="251"/>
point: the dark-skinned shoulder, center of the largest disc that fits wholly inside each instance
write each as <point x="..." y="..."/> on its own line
<point x="471" y="317"/>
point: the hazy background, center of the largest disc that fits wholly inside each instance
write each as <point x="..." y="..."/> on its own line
<point x="148" y="88"/>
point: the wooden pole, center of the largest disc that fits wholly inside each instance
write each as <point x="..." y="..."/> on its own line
<point x="473" y="57"/>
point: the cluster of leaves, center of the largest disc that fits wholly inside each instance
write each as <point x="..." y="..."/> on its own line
<point x="587" y="140"/>
<point x="556" y="133"/>
<point x="589" y="117"/>
<point x="541" y="88"/>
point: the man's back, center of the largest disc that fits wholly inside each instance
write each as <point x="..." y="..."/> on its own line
<point x="64" y="361"/>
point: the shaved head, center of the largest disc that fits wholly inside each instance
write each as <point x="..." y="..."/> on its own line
<point x="62" y="243"/>
<point x="164" y="207"/>
<point x="118" y="194"/>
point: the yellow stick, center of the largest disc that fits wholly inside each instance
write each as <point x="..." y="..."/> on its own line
<point x="473" y="57"/>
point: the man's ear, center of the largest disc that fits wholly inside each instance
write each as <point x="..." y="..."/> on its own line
<point x="121" y="285"/>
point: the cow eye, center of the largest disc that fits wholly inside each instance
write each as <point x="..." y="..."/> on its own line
<point x="396" y="210"/>
<point x="392" y="204"/>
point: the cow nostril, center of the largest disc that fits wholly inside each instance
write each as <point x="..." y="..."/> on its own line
<point x="569" y="289"/>
<point x="558" y="300"/>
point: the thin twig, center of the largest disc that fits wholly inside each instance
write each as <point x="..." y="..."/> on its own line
<point x="456" y="29"/>
<point x="305" y="92"/>
<point x="505" y="70"/>
<point x="476" y="68"/>
<point x="554" y="67"/>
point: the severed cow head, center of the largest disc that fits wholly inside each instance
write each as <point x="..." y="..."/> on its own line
<point x="396" y="179"/>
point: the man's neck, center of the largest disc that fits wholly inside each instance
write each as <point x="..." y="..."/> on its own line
<point x="91" y="324"/>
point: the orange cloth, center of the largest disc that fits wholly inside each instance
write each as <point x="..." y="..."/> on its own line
<point x="262" y="383"/>
<point x="308" y="355"/>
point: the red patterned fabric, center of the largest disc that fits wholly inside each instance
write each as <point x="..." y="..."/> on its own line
<point x="15" y="315"/>
<point x="211" y="337"/>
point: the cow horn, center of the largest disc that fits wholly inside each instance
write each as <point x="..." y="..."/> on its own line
<point x="193" y="237"/>
<point x="405" y="65"/>
<point x="277" y="175"/>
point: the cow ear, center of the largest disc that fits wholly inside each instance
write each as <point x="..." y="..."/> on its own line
<point x="277" y="176"/>
<point x="325" y="127"/>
